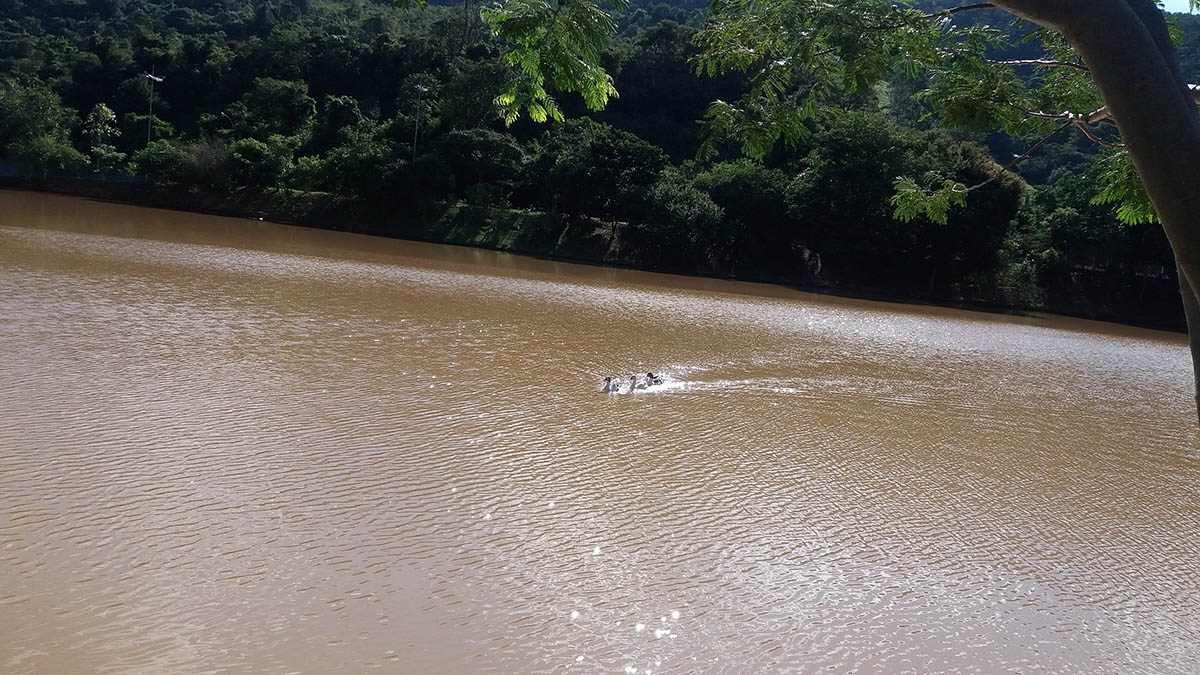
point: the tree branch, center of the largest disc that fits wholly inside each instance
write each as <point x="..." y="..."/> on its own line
<point x="1053" y="14"/>
<point x="1080" y="121"/>
<point x="1093" y="137"/>
<point x="937" y="15"/>
<point x="1022" y="157"/>
<point x="955" y="10"/>
<point x="1041" y="62"/>
<point x="1103" y="116"/>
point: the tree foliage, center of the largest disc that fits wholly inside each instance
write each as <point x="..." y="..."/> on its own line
<point x="682" y="228"/>
<point x="593" y="168"/>
<point x="555" y="45"/>
<point x="162" y="160"/>
<point x="797" y="53"/>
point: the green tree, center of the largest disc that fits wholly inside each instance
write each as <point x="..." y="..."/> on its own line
<point x="337" y="113"/>
<point x="208" y="163"/>
<point x="661" y="97"/>
<point x="681" y="227"/>
<point x="481" y="156"/>
<point x="132" y="136"/>
<point x="753" y="199"/>
<point x="100" y="126"/>
<point x="48" y="152"/>
<point x="840" y="205"/>
<point x="35" y="127"/>
<point x="106" y="158"/>
<point x="553" y="45"/>
<point x="467" y="98"/>
<point x="262" y="163"/>
<point x="364" y="163"/>
<point x="273" y="107"/>
<point x="592" y="168"/>
<point x="1065" y="229"/>
<point x="418" y="108"/>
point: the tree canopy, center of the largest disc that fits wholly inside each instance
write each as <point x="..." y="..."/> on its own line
<point x="797" y="54"/>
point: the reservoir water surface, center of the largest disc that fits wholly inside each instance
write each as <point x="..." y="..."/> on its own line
<point x="238" y="447"/>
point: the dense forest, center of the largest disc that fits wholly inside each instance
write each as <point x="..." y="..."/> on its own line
<point x="367" y="104"/>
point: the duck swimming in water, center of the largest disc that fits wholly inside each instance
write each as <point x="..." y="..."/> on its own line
<point x="635" y="383"/>
<point x="611" y="385"/>
<point x="652" y="379"/>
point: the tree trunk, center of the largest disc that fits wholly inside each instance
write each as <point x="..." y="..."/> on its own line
<point x="1191" y="310"/>
<point x="1126" y="46"/>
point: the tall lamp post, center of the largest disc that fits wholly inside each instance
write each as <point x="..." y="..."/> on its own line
<point x="150" y="115"/>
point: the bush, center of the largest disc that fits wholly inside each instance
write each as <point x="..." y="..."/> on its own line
<point x="262" y="164"/>
<point x="161" y="161"/>
<point x="208" y="163"/>
<point x="48" y="152"/>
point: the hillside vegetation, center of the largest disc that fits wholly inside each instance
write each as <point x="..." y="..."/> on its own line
<point x="390" y="112"/>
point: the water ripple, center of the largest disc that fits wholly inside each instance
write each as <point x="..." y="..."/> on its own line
<point x="244" y="448"/>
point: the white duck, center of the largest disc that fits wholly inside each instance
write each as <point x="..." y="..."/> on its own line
<point x="611" y="384"/>
<point x="635" y="383"/>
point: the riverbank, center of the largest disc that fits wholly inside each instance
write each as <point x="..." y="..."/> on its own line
<point x="1148" y="302"/>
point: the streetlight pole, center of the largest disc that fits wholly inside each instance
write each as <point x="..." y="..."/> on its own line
<point x="150" y="115"/>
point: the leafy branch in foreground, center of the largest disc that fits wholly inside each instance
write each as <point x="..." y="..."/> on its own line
<point x="554" y="45"/>
<point x="1121" y="186"/>
<point x="912" y="200"/>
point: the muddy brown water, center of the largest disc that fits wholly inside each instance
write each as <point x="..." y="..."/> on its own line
<point x="237" y="447"/>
